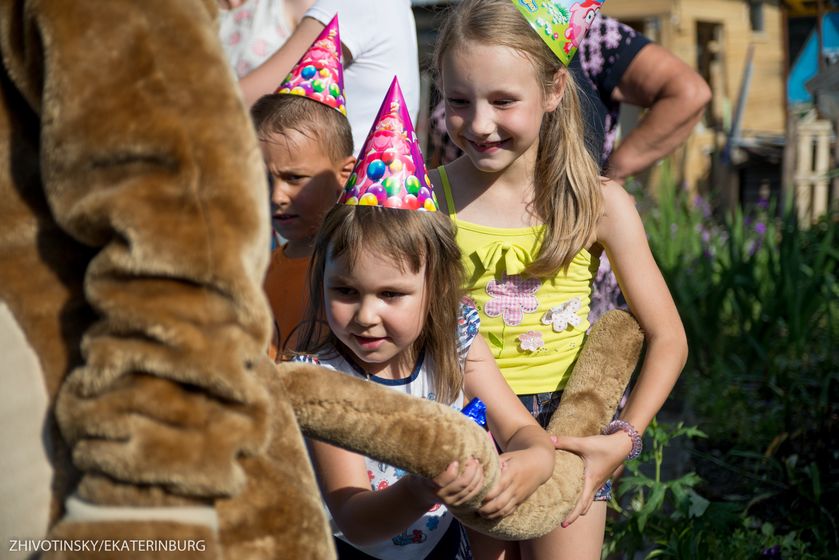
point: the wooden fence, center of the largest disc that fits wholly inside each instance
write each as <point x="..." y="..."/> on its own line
<point x="816" y="153"/>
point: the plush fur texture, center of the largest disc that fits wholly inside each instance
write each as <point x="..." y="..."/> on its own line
<point x="132" y="248"/>
<point x="280" y="513"/>
<point x="353" y="414"/>
<point x="132" y="252"/>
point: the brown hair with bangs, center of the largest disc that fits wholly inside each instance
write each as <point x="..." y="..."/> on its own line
<point x="277" y="113"/>
<point x="410" y="239"/>
<point x="566" y="180"/>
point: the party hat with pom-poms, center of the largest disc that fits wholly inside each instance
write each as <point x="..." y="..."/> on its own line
<point x="561" y="24"/>
<point x="390" y="171"/>
<point x="319" y="74"/>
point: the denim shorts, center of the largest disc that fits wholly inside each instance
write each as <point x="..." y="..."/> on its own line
<point x="542" y="406"/>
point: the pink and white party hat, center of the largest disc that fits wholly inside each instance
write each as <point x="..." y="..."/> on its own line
<point x="390" y="171"/>
<point x="319" y="74"/>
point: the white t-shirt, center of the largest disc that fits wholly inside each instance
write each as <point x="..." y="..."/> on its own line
<point x="418" y="540"/>
<point x="381" y="35"/>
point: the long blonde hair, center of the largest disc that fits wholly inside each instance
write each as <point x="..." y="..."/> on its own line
<point x="567" y="183"/>
<point x="410" y="239"/>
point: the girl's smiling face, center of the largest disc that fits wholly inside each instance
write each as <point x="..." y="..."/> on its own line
<point x="494" y="104"/>
<point x="377" y="310"/>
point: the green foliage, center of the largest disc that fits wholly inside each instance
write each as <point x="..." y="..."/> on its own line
<point x="655" y="518"/>
<point x="747" y="283"/>
<point x="759" y="297"/>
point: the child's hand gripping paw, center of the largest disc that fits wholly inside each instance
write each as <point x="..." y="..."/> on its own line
<point x="451" y="488"/>
<point x="602" y="456"/>
<point x="520" y="475"/>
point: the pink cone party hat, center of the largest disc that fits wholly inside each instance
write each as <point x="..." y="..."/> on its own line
<point x="319" y="74"/>
<point x="390" y="171"/>
<point x="561" y="24"/>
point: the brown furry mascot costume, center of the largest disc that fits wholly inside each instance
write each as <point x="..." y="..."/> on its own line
<point x="133" y="241"/>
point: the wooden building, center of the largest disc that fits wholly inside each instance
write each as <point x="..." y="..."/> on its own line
<point x="738" y="47"/>
<point x="714" y="37"/>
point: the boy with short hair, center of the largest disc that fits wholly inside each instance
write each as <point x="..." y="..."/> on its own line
<point x="307" y="146"/>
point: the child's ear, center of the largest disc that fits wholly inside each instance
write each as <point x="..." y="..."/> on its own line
<point x="345" y="169"/>
<point x="557" y="89"/>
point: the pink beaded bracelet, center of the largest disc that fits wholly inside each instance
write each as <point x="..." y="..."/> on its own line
<point x="624" y="426"/>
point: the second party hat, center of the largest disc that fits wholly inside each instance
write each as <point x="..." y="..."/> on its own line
<point x="561" y="24"/>
<point x="319" y="74"/>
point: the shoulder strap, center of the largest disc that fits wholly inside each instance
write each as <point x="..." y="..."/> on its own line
<point x="468" y="324"/>
<point x="447" y="192"/>
<point x="306" y="359"/>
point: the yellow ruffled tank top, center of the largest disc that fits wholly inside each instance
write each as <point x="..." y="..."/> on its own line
<point x="535" y="328"/>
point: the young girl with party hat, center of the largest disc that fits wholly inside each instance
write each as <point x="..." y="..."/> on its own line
<point x="533" y="216"/>
<point x="386" y="284"/>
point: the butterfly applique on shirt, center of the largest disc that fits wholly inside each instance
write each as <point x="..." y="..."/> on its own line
<point x="563" y="315"/>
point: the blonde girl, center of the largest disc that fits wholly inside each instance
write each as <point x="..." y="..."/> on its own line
<point x="533" y="216"/>
<point x="386" y="291"/>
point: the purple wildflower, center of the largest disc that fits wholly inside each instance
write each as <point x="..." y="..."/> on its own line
<point x="703" y="205"/>
<point x="772" y="552"/>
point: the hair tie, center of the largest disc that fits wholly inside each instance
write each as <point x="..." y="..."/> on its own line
<point x="629" y="429"/>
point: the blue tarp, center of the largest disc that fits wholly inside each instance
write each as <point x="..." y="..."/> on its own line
<point x="806" y="65"/>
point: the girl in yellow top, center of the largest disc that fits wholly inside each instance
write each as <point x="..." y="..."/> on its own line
<point x="533" y="216"/>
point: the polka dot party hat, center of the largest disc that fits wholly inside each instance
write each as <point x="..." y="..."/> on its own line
<point x="390" y="171"/>
<point x="319" y="74"/>
<point x="561" y="24"/>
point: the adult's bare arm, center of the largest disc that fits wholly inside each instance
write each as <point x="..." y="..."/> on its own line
<point x="675" y="96"/>
<point x="265" y="78"/>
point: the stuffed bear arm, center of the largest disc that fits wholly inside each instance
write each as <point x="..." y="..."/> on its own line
<point x="171" y="214"/>
<point x="382" y="424"/>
